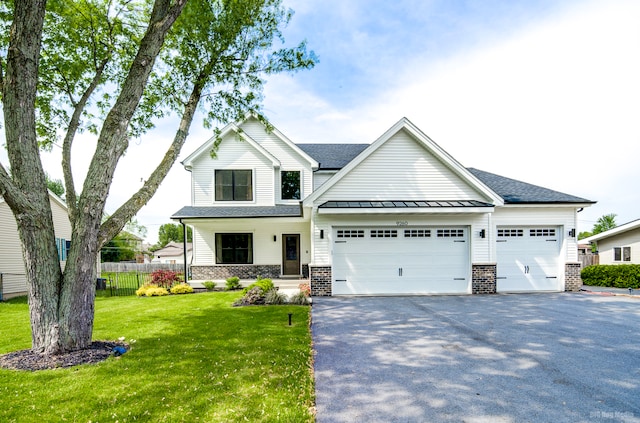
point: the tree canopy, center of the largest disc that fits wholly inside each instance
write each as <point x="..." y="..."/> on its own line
<point x="172" y="232"/>
<point x="113" y="68"/>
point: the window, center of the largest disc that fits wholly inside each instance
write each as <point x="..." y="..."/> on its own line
<point x="417" y="233"/>
<point x="622" y="254"/>
<point x="502" y="233"/>
<point x="234" y="185"/>
<point x="63" y="246"/>
<point x="234" y="248"/>
<point x="290" y="185"/>
<point x="384" y="233"/>
<point x="542" y="232"/>
<point x="450" y="233"/>
<point x="350" y="233"/>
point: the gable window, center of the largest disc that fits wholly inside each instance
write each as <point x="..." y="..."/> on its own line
<point x="234" y="248"/>
<point x="290" y="185"/>
<point x="622" y="254"/>
<point x="234" y="185"/>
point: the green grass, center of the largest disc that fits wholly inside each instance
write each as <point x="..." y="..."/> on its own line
<point x="195" y="358"/>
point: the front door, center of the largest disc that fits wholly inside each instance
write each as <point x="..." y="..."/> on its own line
<point x="291" y="254"/>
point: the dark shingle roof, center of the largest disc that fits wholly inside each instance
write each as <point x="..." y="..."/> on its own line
<point x="517" y="192"/>
<point x="191" y="212"/>
<point x="332" y="156"/>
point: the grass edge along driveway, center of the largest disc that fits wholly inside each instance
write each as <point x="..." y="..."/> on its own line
<point x="192" y="358"/>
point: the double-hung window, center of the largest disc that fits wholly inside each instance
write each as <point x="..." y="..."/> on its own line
<point x="622" y="254"/>
<point x="290" y="185"/>
<point x="234" y="248"/>
<point x="234" y="185"/>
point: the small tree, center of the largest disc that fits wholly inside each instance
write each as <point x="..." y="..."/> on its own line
<point x="604" y="223"/>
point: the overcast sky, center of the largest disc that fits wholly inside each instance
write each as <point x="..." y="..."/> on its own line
<point x="544" y="91"/>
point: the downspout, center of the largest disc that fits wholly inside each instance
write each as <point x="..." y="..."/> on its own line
<point x="184" y="249"/>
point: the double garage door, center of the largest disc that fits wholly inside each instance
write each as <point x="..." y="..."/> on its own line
<point x="409" y="260"/>
<point x="436" y="260"/>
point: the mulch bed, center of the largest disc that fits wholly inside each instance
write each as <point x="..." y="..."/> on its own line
<point x="28" y="360"/>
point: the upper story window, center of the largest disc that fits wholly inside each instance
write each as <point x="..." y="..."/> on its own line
<point x="234" y="185"/>
<point x="290" y="185"/>
<point x="622" y="254"/>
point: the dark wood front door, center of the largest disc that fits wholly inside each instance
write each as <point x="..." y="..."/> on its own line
<point x="291" y="254"/>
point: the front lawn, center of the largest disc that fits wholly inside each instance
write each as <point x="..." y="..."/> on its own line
<point x="192" y="358"/>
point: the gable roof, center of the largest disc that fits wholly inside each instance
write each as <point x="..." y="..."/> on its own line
<point x="235" y="128"/>
<point x="634" y="224"/>
<point x="172" y="249"/>
<point x="427" y="143"/>
<point x="332" y="156"/>
<point x="518" y="192"/>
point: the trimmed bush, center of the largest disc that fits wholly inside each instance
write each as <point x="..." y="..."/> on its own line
<point x="273" y="296"/>
<point x="209" y="285"/>
<point x="265" y="284"/>
<point x="306" y="288"/>
<point x="612" y="275"/>
<point x="233" y="283"/>
<point x="253" y="297"/>
<point x="299" y="299"/>
<point x="151" y="290"/>
<point x="182" y="288"/>
<point x="165" y="278"/>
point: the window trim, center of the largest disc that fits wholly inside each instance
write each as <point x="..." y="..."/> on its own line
<point x="215" y="185"/>
<point x="621" y="257"/>
<point x="218" y="252"/>
<point x="300" y="183"/>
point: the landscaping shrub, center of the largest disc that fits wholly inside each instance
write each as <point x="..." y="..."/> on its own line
<point x="299" y="299"/>
<point x="273" y="296"/>
<point x="233" y="283"/>
<point x="165" y="278"/>
<point x="306" y="288"/>
<point x="253" y="297"/>
<point x="151" y="290"/>
<point x="182" y="288"/>
<point x="209" y="285"/>
<point x="612" y="275"/>
<point x="265" y="284"/>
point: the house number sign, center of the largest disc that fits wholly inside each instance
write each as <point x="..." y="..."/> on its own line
<point x="402" y="223"/>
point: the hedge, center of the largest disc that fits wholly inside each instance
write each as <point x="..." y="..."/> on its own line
<point x="612" y="275"/>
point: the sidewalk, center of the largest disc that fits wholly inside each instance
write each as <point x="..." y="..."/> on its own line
<point x="605" y="290"/>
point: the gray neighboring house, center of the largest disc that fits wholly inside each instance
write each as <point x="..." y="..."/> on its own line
<point x="620" y="245"/>
<point x="397" y="216"/>
<point x="172" y="253"/>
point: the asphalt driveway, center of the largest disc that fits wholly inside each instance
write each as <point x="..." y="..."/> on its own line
<point x="572" y="357"/>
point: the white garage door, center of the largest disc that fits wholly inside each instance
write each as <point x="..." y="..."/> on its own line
<point x="426" y="260"/>
<point x="528" y="259"/>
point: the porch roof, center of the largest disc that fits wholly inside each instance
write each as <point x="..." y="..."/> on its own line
<point x="212" y="212"/>
<point x="402" y="204"/>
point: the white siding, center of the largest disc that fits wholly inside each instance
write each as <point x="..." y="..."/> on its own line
<point x="289" y="158"/>
<point x="233" y="154"/>
<point x="265" y="250"/>
<point x="626" y="239"/>
<point x="401" y="169"/>
<point x="320" y="178"/>
<point x="11" y="260"/>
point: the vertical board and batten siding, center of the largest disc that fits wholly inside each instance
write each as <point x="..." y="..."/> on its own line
<point x="322" y="252"/>
<point x="233" y="154"/>
<point x="265" y="250"/>
<point x="563" y="218"/>
<point x="11" y="259"/>
<point x="289" y="158"/>
<point x="401" y="169"/>
<point x="627" y="239"/>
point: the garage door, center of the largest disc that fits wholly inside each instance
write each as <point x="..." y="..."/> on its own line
<point x="425" y="260"/>
<point x="528" y="259"/>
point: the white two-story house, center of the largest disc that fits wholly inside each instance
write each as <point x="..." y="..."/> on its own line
<point x="397" y="216"/>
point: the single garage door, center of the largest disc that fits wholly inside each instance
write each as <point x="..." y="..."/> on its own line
<point x="528" y="259"/>
<point x="425" y="260"/>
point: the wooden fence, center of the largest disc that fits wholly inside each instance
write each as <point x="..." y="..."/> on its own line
<point x="588" y="260"/>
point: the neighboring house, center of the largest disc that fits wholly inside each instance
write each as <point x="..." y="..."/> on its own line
<point x="620" y="245"/>
<point x="399" y="216"/>
<point x="172" y="253"/>
<point x="13" y="280"/>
